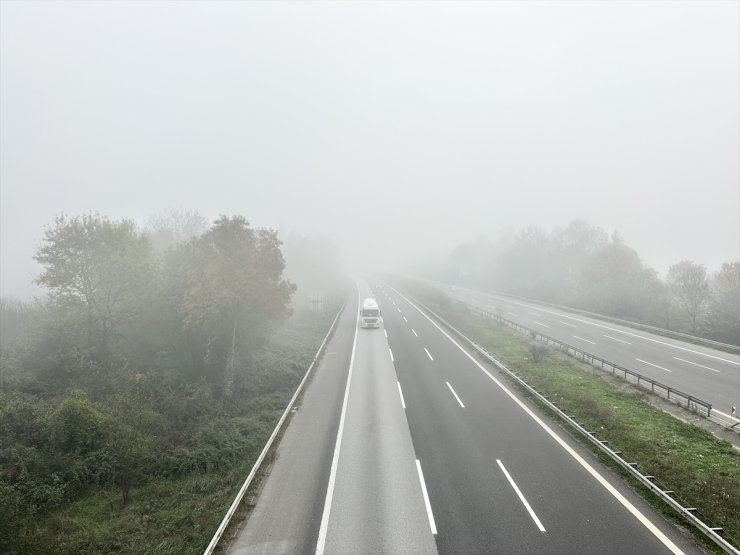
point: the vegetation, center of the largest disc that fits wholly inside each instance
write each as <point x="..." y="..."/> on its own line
<point x="136" y="398"/>
<point x="583" y="267"/>
<point x="702" y="469"/>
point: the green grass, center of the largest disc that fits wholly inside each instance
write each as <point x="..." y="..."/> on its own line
<point x="702" y="469"/>
<point x="178" y="509"/>
<point x="164" y="517"/>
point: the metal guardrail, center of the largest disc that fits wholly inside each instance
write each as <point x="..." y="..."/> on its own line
<point x="692" y="403"/>
<point x="728" y="347"/>
<point x="689" y="513"/>
<point x="245" y="486"/>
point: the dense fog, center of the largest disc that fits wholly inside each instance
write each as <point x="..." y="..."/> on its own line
<point x="391" y="133"/>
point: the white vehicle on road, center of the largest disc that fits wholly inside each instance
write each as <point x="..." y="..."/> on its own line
<point x="370" y="314"/>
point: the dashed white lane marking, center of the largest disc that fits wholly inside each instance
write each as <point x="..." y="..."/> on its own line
<point x="398" y="309"/>
<point x="634" y="511"/>
<point x="403" y="403"/>
<point x="413" y="330"/>
<point x="602" y="326"/>
<point x="323" y="528"/>
<point x="405" y="320"/>
<point x="586" y="340"/>
<point x="521" y="496"/>
<point x="541" y="324"/>
<point x="428" y="354"/>
<point x="426" y="498"/>
<point x="512" y="313"/>
<point x="385" y="332"/>
<point x="534" y="313"/>
<point x="567" y="324"/>
<point x="455" y="394"/>
<point x="391" y="353"/>
<point x="615" y="339"/>
<point x="695" y="364"/>
<point x="651" y="364"/>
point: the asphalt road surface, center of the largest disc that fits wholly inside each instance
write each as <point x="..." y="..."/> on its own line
<point x="403" y="443"/>
<point x="708" y="374"/>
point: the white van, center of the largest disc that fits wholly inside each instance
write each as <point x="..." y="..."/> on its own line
<point x="370" y="314"/>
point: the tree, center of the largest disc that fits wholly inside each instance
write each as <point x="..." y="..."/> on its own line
<point x="130" y="445"/>
<point x="235" y="293"/>
<point x="171" y="228"/>
<point x="725" y="310"/>
<point x="76" y="426"/>
<point x="690" y="293"/>
<point x="614" y="282"/>
<point x="95" y="270"/>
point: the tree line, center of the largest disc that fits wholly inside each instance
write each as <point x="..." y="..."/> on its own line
<point x="146" y="341"/>
<point x="582" y="266"/>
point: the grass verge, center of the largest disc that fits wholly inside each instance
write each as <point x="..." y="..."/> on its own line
<point x="179" y="514"/>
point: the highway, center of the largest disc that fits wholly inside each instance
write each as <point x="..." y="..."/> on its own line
<point x="705" y="373"/>
<point x="403" y="443"/>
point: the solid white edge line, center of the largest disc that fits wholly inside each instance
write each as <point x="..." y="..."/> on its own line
<point x="626" y="333"/>
<point x="568" y="449"/>
<point x="428" y="353"/>
<point x="455" y="394"/>
<point x="390" y="352"/>
<point x="321" y="542"/>
<point x="699" y="365"/>
<point x="651" y="364"/>
<point x="428" y="505"/>
<point x="586" y="340"/>
<point x="521" y="496"/>
<point x="403" y="402"/>
<point x="729" y="416"/>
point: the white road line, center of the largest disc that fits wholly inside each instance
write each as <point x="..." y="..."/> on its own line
<point x="651" y="364"/>
<point x="586" y="340"/>
<point x="321" y="542"/>
<point x="560" y="441"/>
<point x="695" y="364"/>
<point x="521" y="496"/>
<point x="403" y="403"/>
<point x="385" y="332"/>
<point x="455" y="394"/>
<point x="391" y="353"/>
<point x="512" y="313"/>
<point x="623" y="332"/>
<point x="398" y="309"/>
<point x="615" y="339"/>
<point x="541" y="324"/>
<point x="413" y="330"/>
<point x="534" y="314"/>
<point x="428" y="354"/>
<point x="567" y="324"/>
<point x="728" y="416"/>
<point x="426" y="498"/>
<point x="405" y="320"/>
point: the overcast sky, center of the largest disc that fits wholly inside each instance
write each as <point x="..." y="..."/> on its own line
<point x="394" y="128"/>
